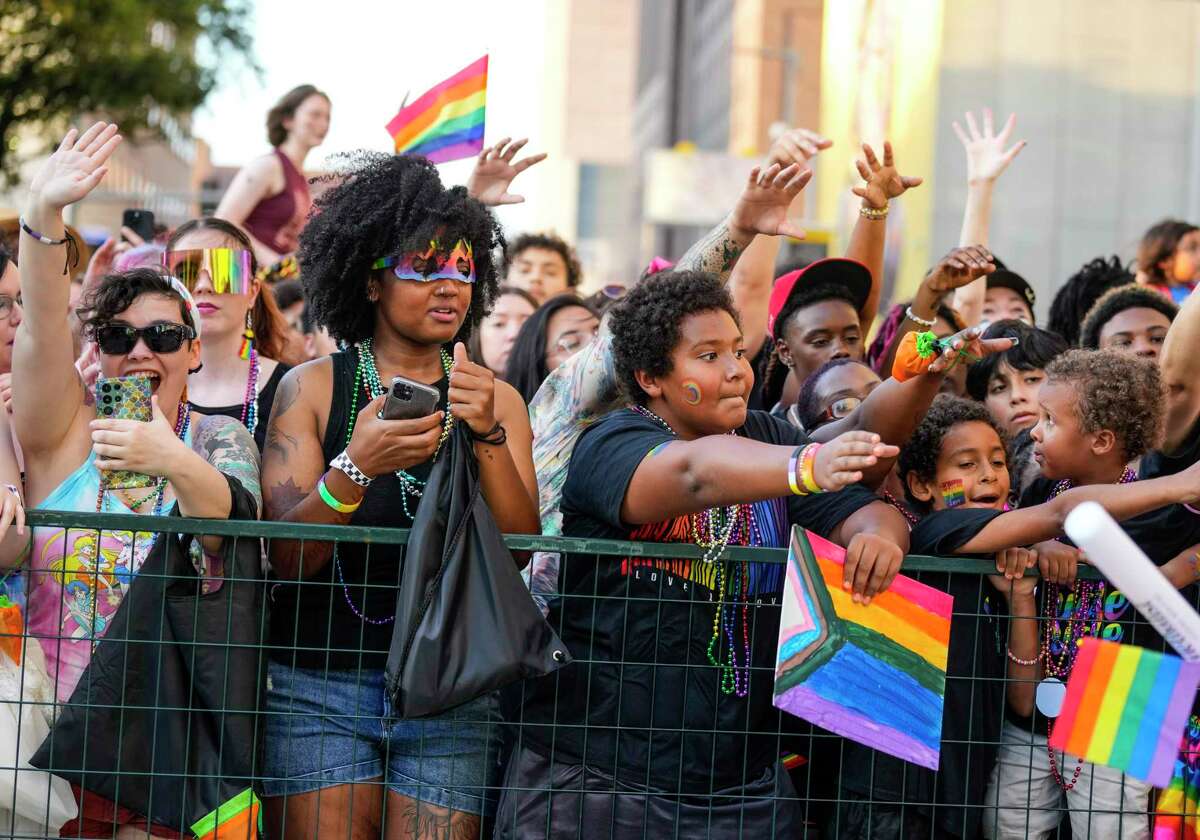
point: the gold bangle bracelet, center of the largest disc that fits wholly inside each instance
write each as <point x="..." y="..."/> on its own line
<point x="873" y="213"/>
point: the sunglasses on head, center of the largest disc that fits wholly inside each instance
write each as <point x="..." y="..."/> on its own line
<point x="228" y="269"/>
<point x="120" y="339"/>
<point x="425" y="268"/>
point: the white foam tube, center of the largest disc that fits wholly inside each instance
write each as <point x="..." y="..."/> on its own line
<point x="1110" y="549"/>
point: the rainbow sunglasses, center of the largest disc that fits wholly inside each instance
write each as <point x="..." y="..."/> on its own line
<point x="229" y="269"/>
<point x="424" y="268"/>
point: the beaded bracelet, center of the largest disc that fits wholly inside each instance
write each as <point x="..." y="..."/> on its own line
<point x="1012" y="656"/>
<point x="873" y="213"/>
<point x="912" y="316"/>
<point x="329" y="499"/>
<point x="68" y="240"/>
<point x="808" y="468"/>
<point x="793" y="464"/>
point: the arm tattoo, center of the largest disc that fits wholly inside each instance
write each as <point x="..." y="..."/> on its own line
<point x="225" y="443"/>
<point x="278" y="442"/>
<point x="716" y="253"/>
<point x="281" y="498"/>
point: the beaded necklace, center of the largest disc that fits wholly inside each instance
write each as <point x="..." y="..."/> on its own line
<point x="366" y="375"/>
<point x="1082" y="606"/>
<point x="250" y="401"/>
<point x="713" y="530"/>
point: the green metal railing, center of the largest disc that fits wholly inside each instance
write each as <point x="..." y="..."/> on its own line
<point x="828" y="810"/>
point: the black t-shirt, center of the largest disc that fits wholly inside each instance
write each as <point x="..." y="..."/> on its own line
<point x="754" y="401"/>
<point x="1155" y="463"/>
<point x="1162" y="534"/>
<point x="641" y="701"/>
<point x="974" y="702"/>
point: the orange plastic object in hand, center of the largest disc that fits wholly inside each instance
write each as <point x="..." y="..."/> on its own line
<point x="917" y="351"/>
<point x="12" y="629"/>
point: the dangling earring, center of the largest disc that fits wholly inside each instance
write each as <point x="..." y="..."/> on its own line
<point x="247" y="340"/>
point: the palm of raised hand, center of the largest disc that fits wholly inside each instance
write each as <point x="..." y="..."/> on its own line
<point x="495" y="170"/>
<point x="883" y="180"/>
<point x="763" y="205"/>
<point x="986" y="156"/>
<point x="76" y="167"/>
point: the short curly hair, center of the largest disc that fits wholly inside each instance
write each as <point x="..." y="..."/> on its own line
<point x="551" y="242"/>
<point x="1080" y="293"/>
<point x="646" y="323"/>
<point x="379" y="205"/>
<point x="1114" y="391"/>
<point x="1114" y="302"/>
<point x="920" y="455"/>
<point x="116" y="292"/>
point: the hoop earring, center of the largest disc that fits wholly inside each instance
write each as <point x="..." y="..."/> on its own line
<point x="247" y="340"/>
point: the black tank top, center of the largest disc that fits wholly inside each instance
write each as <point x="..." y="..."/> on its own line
<point x="316" y="623"/>
<point x="266" y="399"/>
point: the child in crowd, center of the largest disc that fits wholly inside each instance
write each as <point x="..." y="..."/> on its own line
<point x="1128" y="319"/>
<point x="1007" y="383"/>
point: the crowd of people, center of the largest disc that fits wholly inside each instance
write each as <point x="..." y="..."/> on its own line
<point x="717" y="400"/>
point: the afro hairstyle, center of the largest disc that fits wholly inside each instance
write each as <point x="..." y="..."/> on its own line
<point x="379" y="205"/>
<point x="1035" y="349"/>
<point x="549" y="242"/>
<point x="1114" y="391"/>
<point x="1113" y="303"/>
<point x="1080" y="293"/>
<point x="646" y="323"/>
<point x="920" y="455"/>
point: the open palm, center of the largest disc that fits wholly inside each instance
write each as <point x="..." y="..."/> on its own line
<point x="763" y="204"/>
<point x="494" y="171"/>
<point x="884" y="181"/>
<point x="76" y="166"/>
<point x="986" y="156"/>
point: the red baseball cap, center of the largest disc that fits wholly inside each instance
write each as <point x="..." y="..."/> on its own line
<point x="850" y="274"/>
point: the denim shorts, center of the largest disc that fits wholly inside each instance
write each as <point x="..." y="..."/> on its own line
<point x="332" y="728"/>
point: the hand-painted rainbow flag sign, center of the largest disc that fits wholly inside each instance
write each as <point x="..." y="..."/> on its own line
<point x="1126" y="707"/>
<point x="446" y="122"/>
<point x="875" y="674"/>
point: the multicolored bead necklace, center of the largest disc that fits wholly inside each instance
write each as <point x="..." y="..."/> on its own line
<point x="713" y="530"/>
<point x="250" y="402"/>
<point x="1082" y="604"/>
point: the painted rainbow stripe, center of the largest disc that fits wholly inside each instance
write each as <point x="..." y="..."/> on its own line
<point x="875" y="674"/>
<point x="1126" y="707"/>
<point x="446" y="122"/>
<point x="953" y="492"/>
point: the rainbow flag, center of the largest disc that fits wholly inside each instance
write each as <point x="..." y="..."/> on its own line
<point x="876" y="673"/>
<point x="446" y="122"/>
<point x="1126" y="707"/>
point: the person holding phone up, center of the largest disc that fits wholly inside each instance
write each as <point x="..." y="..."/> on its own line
<point x="401" y="269"/>
<point x="138" y="450"/>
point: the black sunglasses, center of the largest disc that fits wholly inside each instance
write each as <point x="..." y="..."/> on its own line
<point x="119" y="339"/>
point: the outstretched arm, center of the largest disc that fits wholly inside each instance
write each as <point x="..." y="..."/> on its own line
<point x="1180" y="367"/>
<point x="250" y="185"/>
<point x="986" y="161"/>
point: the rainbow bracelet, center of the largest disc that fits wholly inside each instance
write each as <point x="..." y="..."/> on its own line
<point x="329" y="499"/>
<point x="793" y="463"/>
<point x="808" y="472"/>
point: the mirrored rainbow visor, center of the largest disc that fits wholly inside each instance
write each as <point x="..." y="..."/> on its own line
<point x="424" y="268"/>
<point x="228" y="269"/>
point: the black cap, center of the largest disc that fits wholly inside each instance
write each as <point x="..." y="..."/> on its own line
<point x="1002" y="278"/>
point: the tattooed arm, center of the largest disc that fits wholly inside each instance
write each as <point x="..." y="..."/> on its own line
<point x="224" y="448"/>
<point x="227" y="445"/>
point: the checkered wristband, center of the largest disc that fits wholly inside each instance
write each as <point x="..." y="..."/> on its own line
<point x="342" y="462"/>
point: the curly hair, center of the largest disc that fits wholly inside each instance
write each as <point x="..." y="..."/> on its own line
<point x="116" y="292"/>
<point x="807" y="408"/>
<point x="1114" y="391"/>
<point x="920" y="455"/>
<point x="379" y="205"/>
<point x="285" y="109"/>
<point x="548" y="241"/>
<point x="1036" y="348"/>
<point x="646" y="323"/>
<point x="1080" y="293"/>
<point x="527" y="368"/>
<point x="1159" y="243"/>
<point x="268" y="323"/>
<point x="1113" y="303"/>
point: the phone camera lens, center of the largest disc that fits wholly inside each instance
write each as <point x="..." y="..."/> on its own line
<point x="404" y="392"/>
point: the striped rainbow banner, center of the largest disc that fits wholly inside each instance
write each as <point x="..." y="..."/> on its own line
<point x="1126" y="707"/>
<point x="446" y="122"/>
<point x="876" y="673"/>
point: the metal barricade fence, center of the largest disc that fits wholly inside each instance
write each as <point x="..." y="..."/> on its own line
<point x="312" y="727"/>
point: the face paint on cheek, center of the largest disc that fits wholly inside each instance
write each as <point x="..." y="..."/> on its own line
<point x="691" y="393"/>
<point x="953" y="493"/>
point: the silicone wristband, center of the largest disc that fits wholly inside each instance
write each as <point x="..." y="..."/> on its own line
<point x="808" y="462"/>
<point x="329" y="499"/>
<point x="793" y="464"/>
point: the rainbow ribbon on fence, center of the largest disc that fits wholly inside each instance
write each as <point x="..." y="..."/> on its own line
<point x="236" y="819"/>
<point x="1126" y="707"/>
<point x="446" y="122"/>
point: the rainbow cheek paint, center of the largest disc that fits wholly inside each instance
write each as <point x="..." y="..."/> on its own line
<point x="691" y="393"/>
<point x="953" y="493"/>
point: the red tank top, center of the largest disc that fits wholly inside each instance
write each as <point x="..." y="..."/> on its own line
<point x="277" y="221"/>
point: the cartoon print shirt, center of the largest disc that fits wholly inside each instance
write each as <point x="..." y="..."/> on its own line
<point x="639" y="628"/>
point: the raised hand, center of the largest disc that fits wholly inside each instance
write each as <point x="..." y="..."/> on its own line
<point x="986" y="155"/>
<point x="763" y="205"/>
<point x="883" y="181"/>
<point x="494" y="172"/>
<point x="472" y="393"/>
<point x="960" y="267"/>
<point x="76" y="167"/>
<point x="796" y="145"/>
<point x="840" y="462"/>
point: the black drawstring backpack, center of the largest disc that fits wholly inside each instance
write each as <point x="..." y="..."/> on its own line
<point x="465" y="622"/>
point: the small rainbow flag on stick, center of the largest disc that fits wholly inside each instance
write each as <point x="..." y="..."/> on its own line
<point x="1126" y="707"/>
<point x="446" y="122"/>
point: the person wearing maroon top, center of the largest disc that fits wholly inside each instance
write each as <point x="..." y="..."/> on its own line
<point x="269" y="197"/>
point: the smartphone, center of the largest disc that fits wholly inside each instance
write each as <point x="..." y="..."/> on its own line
<point x="124" y="398"/>
<point x="140" y="222"/>
<point x="408" y="400"/>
